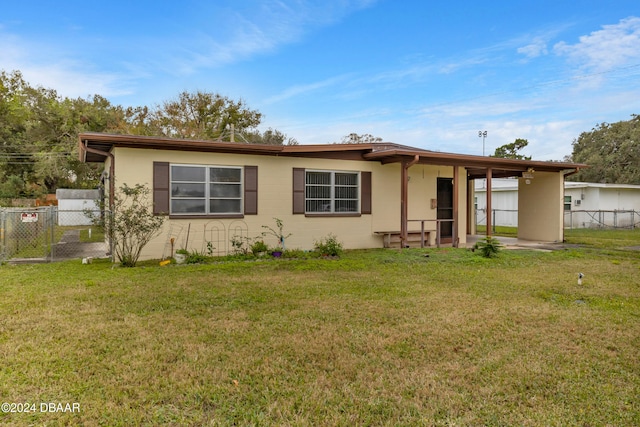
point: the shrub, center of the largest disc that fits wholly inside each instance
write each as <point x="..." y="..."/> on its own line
<point x="329" y="246"/>
<point x="131" y="223"/>
<point x="240" y="245"/>
<point x="259" y="247"/>
<point x="488" y="247"/>
<point x="196" y="257"/>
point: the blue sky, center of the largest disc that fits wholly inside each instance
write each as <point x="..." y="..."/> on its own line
<point x="430" y="74"/>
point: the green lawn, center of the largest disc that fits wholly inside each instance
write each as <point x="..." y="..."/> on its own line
<point x="377" y="337"/>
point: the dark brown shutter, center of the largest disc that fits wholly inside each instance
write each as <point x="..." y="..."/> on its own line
<point x="161" y="188"/>
<point x="251" y="190"/>
<point x="298" y="190"/>
<point x="365" y="192"/>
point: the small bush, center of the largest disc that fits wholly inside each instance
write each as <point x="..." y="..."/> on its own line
<point x="240" y="245"/>
<point x="131" y="224"/>
<point x="329" y="246"/>
<point x="196" y="257"/>
<point x="259" y="247"/>
<point x="489" y="247"/>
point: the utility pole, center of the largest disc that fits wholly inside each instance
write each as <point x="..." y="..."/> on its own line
<point x="482" y="134"/>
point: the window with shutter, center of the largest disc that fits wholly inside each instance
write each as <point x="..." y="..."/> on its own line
<point x="199" y="190"/>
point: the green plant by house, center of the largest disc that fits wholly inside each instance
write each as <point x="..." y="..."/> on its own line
<point x="276" y="232"/>
<point x="131" y="224"/>
<point x="489" y="247"/>
<point x="329" y="245"/>
<point x="210" y="248"/>
<point x="258" y="247"/>
<point x="195" y="257"/>
<point x="240" y="245"/>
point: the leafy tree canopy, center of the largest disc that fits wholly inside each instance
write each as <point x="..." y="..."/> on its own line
<point x="612" y="152"/>
<point x="510" y="151"/>
<point x="202" y="115"/>
<point x="354" y="138"/>
<point x="39" y="131"/>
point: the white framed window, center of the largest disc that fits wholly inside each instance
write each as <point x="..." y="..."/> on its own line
<point x="332" y="192"/>
<point x="205" y="190"/>
<point x="567" y="203"/>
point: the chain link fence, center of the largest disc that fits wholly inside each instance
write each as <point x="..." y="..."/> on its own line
<point x="624" y="219"/>
<point x="47" y="234"/>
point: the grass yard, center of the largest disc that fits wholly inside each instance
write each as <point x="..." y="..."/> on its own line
<point x="377" y="337"/>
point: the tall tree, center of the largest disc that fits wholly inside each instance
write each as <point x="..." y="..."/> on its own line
<point x="38" y="136"/>
<point x="354" y="138"/>
<point x="269" y="136"/>
<point x="510" y="151"/>
<point x="203" y="115"/>
<point x="612" y="152"/>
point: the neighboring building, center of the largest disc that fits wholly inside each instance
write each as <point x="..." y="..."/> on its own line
<point x="365" y="194"/>
<point x="585" y="204"/>
<point x="504" y="202"/>
<point x="73" y="206"/>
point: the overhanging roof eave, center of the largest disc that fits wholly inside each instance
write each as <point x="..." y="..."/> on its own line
<point x="509" y="167"/>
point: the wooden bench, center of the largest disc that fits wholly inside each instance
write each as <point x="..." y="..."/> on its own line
<point x="391" y="239"/>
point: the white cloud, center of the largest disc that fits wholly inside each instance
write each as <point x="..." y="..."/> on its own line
<point x="262" y="30"/>
<point x="299" y="90"/>
<point x="603" y="50"/>
<point x="537" y="47"/>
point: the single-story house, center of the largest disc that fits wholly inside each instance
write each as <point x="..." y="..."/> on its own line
<point x="368" y="195"/>
<point x="586" y="204"/>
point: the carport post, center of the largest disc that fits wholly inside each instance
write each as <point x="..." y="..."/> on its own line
<point x="404" y="199"/>
<point x="489" y="210"/>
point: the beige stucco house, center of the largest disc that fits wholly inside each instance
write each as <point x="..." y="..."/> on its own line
<point x="368" y="195"/>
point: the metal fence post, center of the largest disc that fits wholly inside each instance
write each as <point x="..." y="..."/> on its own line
<point x="52" y="233"/>
<point x="2" y="235"/>
<point x="493" y="222"/>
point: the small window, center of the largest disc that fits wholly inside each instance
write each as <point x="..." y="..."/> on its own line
<point x="206" y="190"/>
<point x="331" y="192"/>
<point x="567" y="203"/>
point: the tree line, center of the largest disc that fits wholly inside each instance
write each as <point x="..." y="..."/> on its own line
<point x="612" y="151"/>
<point x="39" y="131"/>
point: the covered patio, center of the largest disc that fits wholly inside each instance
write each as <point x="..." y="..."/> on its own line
<point x="541" y="185"/>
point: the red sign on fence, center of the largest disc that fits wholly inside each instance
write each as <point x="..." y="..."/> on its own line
<point x="29" y="217"/>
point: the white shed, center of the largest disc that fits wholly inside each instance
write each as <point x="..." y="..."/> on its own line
<point x="73" y="204"/>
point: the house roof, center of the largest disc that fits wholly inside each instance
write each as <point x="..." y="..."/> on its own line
<point x="575" y="184"/>
<point x="512" y="185"/>
<point x="94" y="147"/>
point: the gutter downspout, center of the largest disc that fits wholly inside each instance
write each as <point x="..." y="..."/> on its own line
<point x="404" y="200"/>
